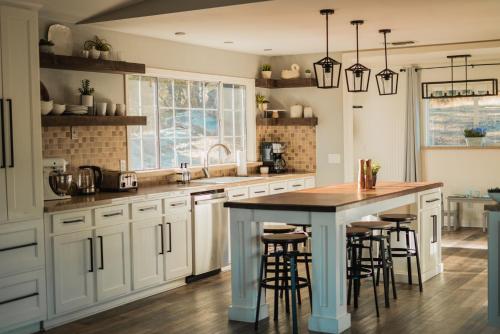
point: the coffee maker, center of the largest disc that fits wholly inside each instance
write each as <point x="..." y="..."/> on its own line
<point x="272" y="156"/>
<point x="56" y="182"/>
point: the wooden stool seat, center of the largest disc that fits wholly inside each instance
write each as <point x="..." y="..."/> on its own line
<point x="372" y="224"/>
<point x="398" y="217"/>
<point x="358" y="232"/>
<point x="284" y="238"/>
<point x="276" y="229"/>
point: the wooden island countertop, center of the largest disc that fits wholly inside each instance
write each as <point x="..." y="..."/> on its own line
<point x="332" y="198"/>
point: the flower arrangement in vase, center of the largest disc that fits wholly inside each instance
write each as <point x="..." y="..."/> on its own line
<point x="474" y="136"/>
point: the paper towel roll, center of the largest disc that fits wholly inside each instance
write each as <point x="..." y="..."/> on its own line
<point x="241" y="163"/>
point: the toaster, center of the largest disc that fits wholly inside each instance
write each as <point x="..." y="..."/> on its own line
<point x="113" y="180"/>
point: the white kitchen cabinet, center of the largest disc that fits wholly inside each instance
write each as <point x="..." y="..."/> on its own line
<point x="310" y="182"/>
<point x="178" y="251"/>
<point x="297" y="184"/>
<point x="112" y="259"/>
<point x="74" y="268"/>
<point x="148" y="251"/>
<point x="430" y="238"/>
<point x="21" y="170"/>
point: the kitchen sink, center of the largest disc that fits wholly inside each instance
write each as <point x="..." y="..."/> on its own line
<point x="227" y="179"/>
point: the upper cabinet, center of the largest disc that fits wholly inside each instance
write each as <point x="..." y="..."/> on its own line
<point x="20" y="129"/>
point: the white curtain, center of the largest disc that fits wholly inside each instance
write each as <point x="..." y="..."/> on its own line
<point x="412" y="133"/>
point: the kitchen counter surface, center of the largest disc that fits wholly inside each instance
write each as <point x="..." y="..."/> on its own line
<point x="333" y="198"/>
<point x="492" y="207"/>
<point x="105" y="198"/>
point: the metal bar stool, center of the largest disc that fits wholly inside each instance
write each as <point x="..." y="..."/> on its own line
<point x="384" y="258"/>
<point x="283" y="270"/>
<point x="356" y="270"/>
<point x="401" y="219"/>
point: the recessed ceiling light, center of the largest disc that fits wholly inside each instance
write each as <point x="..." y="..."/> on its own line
<point x="179" y="33"/>
<point x="268" y="49"/>
<point x="228" y="42"/>
<point x="401" y="43"/>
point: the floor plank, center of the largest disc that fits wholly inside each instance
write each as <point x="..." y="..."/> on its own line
<point x="454" y="302"/>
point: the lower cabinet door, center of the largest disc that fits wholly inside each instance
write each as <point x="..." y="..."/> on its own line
<point x="430" y="238"/>
<point x="112" y="261"/>
<point x="148" y="249"/>
<point x="178" y="261"/>
<point x="73" y="271"/>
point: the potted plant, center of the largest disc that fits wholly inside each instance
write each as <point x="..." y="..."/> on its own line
<point x="375" y="170"/>
<point x="46" y="46"/>
<point x="266" y="71"/>
<point x="475" y="136"/>
<point x="86" y="93"/>
<point x="98" y="48"/>
<point x="262" y="103"/>
<point x="308" y="73"/>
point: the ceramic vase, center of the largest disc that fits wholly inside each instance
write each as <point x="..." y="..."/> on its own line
<point x="87" y="100"/>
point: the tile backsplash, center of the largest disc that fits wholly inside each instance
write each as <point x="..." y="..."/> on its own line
<point x="300" y="141"/>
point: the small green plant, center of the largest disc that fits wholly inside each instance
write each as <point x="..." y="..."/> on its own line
<point x="98" y="44"/>
<point x="44" y="41"/>
<point x="266" y="67"/>
<point x="86" y="89"/>
<point x="260" y="99"/>
<point x="494" y="190"/>
<point x="475" y="133"/>
<point x="307" y="71"/>
<point x="375" y="168"/>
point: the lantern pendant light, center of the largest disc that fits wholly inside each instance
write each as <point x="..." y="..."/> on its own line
<point x="387" y="80"/>
<point x="357" y="76"/>
<point x="327" y="70"/>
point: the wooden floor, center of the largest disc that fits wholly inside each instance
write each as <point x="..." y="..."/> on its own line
<point x="454" y="302"/>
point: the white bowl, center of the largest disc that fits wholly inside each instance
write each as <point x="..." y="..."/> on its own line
<point x="46" y="106"/>
<point x="58" y="109"/>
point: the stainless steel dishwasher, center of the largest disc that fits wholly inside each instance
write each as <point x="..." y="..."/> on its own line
<point x="210" y="231"/>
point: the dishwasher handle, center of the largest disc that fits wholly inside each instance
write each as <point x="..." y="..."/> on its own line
<point x="211" y="201"/>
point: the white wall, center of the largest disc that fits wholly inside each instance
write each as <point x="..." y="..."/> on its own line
<point x="327" y="106"/>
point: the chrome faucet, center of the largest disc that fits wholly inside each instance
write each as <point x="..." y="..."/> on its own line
<point x="226" y="150"/>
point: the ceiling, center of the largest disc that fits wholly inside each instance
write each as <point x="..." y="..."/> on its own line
<point x="296" y="27"/>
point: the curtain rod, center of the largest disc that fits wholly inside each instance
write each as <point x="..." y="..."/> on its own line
<point x="449" y="66"/>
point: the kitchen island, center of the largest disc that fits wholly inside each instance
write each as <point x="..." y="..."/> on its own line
<point x="493" y="264"/>
<point x="328" y="210"/>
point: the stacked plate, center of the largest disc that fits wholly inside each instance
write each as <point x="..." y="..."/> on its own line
<point x="76" y="109"/>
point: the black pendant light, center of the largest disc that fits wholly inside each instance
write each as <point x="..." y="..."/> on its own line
<point x="357" y="76"/>
<point x="387" y="80"/>
<point x="327" y="70"/>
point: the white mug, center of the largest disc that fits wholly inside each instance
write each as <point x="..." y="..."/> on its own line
<point x="120" y="109"/>
<point x="111" y="109"/>
<point x="101" y="108"/>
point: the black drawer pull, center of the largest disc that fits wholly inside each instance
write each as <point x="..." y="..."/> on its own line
<point x="19" y="298"/>
<point x="2" y="121"/>
<point x="107" y="215"/>
<point x="434" y="229"/>
<point x="178" y="203"/>
<point x="102" y="252"/>
<point x="169" y="238"/>
<point x="259" y="192"/>
<point x="148" y="208"/>
<point x="432" y="200"/>
<point x="74" y="221"/>
<point x="238" y="195"/>
<point x="11" y="134"/>
<point x="296" y="185"/>
<point x="91" y="270"/>
<point x="162" y="242"/>
<point x="280" y="188"/>
<point x="18" y="246"/>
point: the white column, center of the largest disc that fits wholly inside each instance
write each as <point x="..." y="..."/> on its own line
<point x="329" y="313"/>
<point x="493" y="269"/>
<point x="246" y="252"/>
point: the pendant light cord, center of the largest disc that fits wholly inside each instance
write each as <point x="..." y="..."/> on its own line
<point x="385" y="49"/>
<point x="327" y="34"/>
<point x="357" y="44"/>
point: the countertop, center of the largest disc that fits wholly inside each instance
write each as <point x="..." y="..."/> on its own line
<point x="105" y="198"/>
<point x="492" y="207"/>
<point x="333" y="198"/>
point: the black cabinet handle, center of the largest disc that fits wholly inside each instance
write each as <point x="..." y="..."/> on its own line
<point x="169" y="238"/>
<point x="162" y="242"/>
<point x="434" y="229"/>
<point x="259" y="191"/>
<point x="432" y="200"/>
<point x="238" y="195"/>
<point x="2" y="124"/>
<point x="102" y="252"/>
<point x="107" y="215"/>
<point x="11" y="135"/>
<point x="280" y="188"/>
<point x="74" y="221"/>
<point x="18" y="246"/>
<point x="19" y="298"/>
<point x="148" y="208"/>
<point x="91" y="270"/>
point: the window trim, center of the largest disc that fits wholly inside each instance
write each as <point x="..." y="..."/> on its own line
<point x="250" y="112"/>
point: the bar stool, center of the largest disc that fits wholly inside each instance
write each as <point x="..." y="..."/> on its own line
<point x="276" y="229"/>
<point x="384" y="258"/>
<point x="284" y="271"/>
<point x="356" y="270"/>
<point x="401" y="219"/>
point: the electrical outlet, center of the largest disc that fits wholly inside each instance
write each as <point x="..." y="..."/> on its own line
<point x="74" y="133"/>
<point x="123" y="165"/>
<point x="333" y="158"/>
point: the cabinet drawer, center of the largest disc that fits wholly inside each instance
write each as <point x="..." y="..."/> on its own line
<point x="237" y="193"/>
<point x="430" y="200"/>
<point x="71" y="221"/>
<point x="147" y="209"/>
<point x="278" y="187"/>
<point x="177" y="207"/>
<point x="22" y="298"/>
<point x="111" y="214"/>
<point x="258" y="190"/>
<point x="21" y="247"/>
<point x="310" y="182"/>
<point x="297" y="184"/>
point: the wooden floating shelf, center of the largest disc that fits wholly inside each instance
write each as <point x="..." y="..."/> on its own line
<point x="285" y="83"/>
<point x="85" y="120"/>
<point x="59" y="62"/>
<point x="311" y="121"/>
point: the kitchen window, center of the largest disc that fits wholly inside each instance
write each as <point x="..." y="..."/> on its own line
<point x="186" y="113"/>
<point x="446" y="119"/>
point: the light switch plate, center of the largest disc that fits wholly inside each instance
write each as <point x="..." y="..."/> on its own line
<point x="74" y="133"/>
<point x="333" y="158"/>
